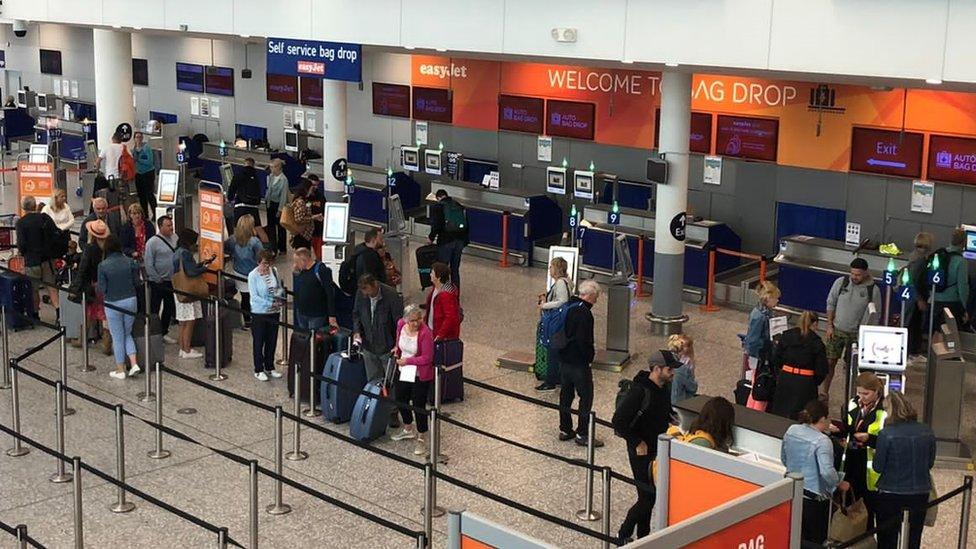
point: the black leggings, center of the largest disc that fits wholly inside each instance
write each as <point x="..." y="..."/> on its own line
<point x="639" y="515"/>
<point x="145" y="183"/>
<point x="264" y="339"/>
<point x="416" y="394"/>
<point x="276" y="233"/>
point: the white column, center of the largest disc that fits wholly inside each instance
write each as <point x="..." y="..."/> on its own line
<point x="672" y="200"/>
<point x="333" y="130"/>
<point x="113" y="82"/>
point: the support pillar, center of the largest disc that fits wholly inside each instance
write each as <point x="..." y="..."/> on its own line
<point x="113" y="82"/>
<point x="666" y="314"/>
<point x="334" y="132"/>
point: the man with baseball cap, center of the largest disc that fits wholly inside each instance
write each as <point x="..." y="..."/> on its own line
<point x="850" y="303"/>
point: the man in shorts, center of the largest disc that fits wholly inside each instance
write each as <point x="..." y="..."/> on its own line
<point x="847" y="309"/>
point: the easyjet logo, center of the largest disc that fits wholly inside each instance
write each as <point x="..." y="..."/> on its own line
<point x="444" y="71"/>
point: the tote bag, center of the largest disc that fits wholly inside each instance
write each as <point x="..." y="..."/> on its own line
<point x="195" y="286"/>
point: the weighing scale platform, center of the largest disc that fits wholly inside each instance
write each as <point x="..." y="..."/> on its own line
<point x="519" y="361"/>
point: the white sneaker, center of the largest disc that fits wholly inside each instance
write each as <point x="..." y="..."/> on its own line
<point x="420" y="448"/>
<point x="273" y="373"/>
<point x="169" y="340"/>
<point x="135" y="369"/>
<point x="261" y="376"/>
<point x="192" y="353"/>
<point x="117" y="374"/>
<point x="404" y="434"/>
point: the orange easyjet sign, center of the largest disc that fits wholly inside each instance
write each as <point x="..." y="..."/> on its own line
<point x="35" y="179"/>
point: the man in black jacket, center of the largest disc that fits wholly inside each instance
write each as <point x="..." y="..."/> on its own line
<point x="643" y="414"/>
<point x="368" y="260"/>
<point x="450" y="235"/>
<point x="374" y="322"/>
<point x="576" y="377"/>
<point x="245" y="193"/>
<point x="34" y="233"/>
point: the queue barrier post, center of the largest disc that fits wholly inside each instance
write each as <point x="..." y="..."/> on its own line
<point x="22" y="536"/>
<point x="78" y="513"/>
<point x="121" y="505"/>
<point x="222" y="538"/>
<point x="5" y="381"/>
<point x="63" y="348"/>
<point x="159" y="453"/>
<point x="428" y="509"/>
<point x="284" y="330"/>
<point x="433" y="434"/>
<point x="762" y="268"/>
<point x="967" y="503"/>
<point x="148" y="394"/>
<point x="296" y="453"/>
<point x="311" y="412"/>
<point x="278" y="508"/>
<point x="606" y="506"/>
<point x="709" y="305"/>
<point x="85" y="358"/>
<point x="640" y="267"/>
<point x="587" y="513"/>
<point x="436" y="450"/>
<point x="421" y="541"/>
<point x="904" y="530"/>
<point x="18" y="449"/>
<point x="60" y="476"/>
<point x="252" y="503"/>
<point x="218" y="357"/>
<point x="504" y="260"/>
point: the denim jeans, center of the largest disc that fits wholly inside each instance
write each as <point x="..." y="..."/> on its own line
<point x="450" y="254"/>
<point x="120" y="326"/>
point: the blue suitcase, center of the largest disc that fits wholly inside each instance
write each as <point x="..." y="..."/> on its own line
<point x="371" y="415"/>
<point x="346" y="371"/>
<point x="17" y="296"/>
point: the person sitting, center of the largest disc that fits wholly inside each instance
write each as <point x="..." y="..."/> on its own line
<point x="713" y="426"/>
<point x="136" y="233"/>
<point x="800" y="359"/>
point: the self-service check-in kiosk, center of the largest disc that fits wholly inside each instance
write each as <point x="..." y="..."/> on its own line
<point x="884" y="351"/>
<point x="295" y="140"/>
<point x="433" y="161"/>
<point x="583" y="184"/>
<point x="949" y="378"/>
<point x="556" y="178"/>
<point x="617" y="353"/>
<point x="167" y="191"/>
<point x="335" y="236"/>
<point x="410" y="158"/>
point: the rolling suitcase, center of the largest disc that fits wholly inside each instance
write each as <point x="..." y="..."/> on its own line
<point x="426" y="256"/>
<point x="157" y="347"/>
<point x="348" y="371"/>
<point x="449" y="357"/>
<point x="71" y="315"/>
<point x="298" y="351"/>
<point x="18" y="298"/>
<point x="226" y="336"/>
<point x="371" y="415"/>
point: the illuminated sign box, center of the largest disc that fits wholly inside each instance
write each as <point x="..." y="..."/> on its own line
<point x="189" y="77"/>
<point x="952" y="159"/>
<point x="521" y="114"/>
<point x="432" y="104"/>
<point x="310" y="91"/>
<point x="570" y="119"/>
<point x="391" y="100"/>
<point x="886" y="152"/>
<point x="699" y="137"/>
<point x="745" y="137"/>
<point x="281" y="88"/>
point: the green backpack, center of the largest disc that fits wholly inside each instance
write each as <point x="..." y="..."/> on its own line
<point x="455" y="219"/>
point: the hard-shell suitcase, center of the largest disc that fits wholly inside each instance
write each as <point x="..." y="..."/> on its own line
<point x="298" y="351"/>
<point x="426" y="256"/>
<point x="71" y="315"/>
<point x="449" y="358"/>
<point x="157" y="347"/>
<point x="371" y="414"/>
<point x="226" y="337"/>
<point x="17" y="297"/>
<point x="348" y="372"/>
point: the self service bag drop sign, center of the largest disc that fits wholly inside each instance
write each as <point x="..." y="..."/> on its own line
<point x="309" y="58"/>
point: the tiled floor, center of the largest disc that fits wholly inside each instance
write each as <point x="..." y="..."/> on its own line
<point x="499" y="316"/>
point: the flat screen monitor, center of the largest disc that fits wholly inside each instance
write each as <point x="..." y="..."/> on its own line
<point x="745" y="137"/>
<point x="42" y="101"/>
<point x="50" y="62"/>
<point x="886" y="152"/>
<point x="882" y="348"/>
<point x="335" y="227"/>
<point x="657" y="170"/>
<point x="140" y="72"/>
<point x="281" y="89"/>
<point x="189" y="77"/>
<point x="38" y="154"/>
<point x="556" y="180"/>
<point x="310" y="91"/>
<point x="432" y="104"/>
<point x="167" y="187"/>
<point x="22" y="99"/>
<point x="623" y="266"/>
<point x="410" y="158"/>
<point x="952" y="159"/>
<point x="220" y="81"/>
<point x="397" y="222"/>
<point x="971" y="243"/>
<point x="226" y="174"/>
<point x="700" y="136"/>
<point x="521" y="114"/>
<point x="583" y="185"/>
<point x="391" y="100"/>
<point x="291" y="140"/>
<point x="570" y="119"/>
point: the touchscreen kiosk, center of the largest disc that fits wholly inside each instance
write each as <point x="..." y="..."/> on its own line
<point x="167" y="188"/>
<point x="410" y="158"/>
<point x="226" y="174"/>
<point x="292" y="140"/>
<point x="556" y="180"/>
<point x="432" y="161"/>
<point x="335" y="227"/>
<point x="397" y="221"/>
<point x="22" y="99"/>
<point x="623" y="267"/>
<point x="970" y="251"/>
<point x="38" y="154"/>
<point x="884" y="350"/>
<point x="42" y="102"/>
<point x="583" y="185"/>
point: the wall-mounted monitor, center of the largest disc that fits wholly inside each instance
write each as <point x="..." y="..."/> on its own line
<point x="952" y="159"/>
<point x="570" y="119"/>
<point x="140" y="72"/>
<point x="310" y="93"/>
<point x="391" y="100"/>
<point x="432" y="104"/>
<point x="50" y="62"/>
<point x="657" y="170"/>
<point x="556" y="180"/>
<point x="583" y="184"/>
<point x="410" y="158"/>
<point x="699" y="136"/>
<point x="433" y="159"/>
<point x="746" y="137"/>
<point x="167" y="187"/>
<point x="189" y="77"/>
<point x="281" y="89"/>
<point x="886" y="152"/>
<point x="521" y="114"/>
<point x="220" y="81"/>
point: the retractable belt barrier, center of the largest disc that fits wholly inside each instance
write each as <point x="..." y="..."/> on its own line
<point x="20" y="532"/>
<point x="709" y="306"/>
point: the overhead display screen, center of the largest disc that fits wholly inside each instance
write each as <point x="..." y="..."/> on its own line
<point x="140" y="72"/>
<point x="521" y="114"/>
<point x="570" y="119"/>
<point x="391" y="100"/>
<point x="220" y="81"/>
<point x="281" y="88"/>
<point x="700" y="137"/>
<point x="952" y="159"/>
<point x="886" y="152"/>
<point x="50" y="62"/>
<point x="310" y="91"/>
<point x="189" y="77"/>
<point x="432" y="104"/>
<point x="744" y="137"/>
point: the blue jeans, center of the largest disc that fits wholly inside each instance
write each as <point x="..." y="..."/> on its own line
<point x="310" y="322"/>
<point x="450" y="254"/>
<point x="120" y="326"/>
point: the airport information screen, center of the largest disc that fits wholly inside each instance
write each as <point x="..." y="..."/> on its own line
<point x="952" y="159"/>
<point x="745" y="137"/>
<point x="886" y="152"/>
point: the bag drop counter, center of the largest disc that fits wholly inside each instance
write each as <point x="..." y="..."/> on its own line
<point x="755" y="432"/>
<point x="212" y="160"/>
<point x="368" y="203"/>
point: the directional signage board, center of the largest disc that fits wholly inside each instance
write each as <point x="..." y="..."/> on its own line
<point x="887" y="152"/>
<point x="310" y="58"/>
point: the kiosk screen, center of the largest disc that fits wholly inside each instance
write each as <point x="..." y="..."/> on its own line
<point x="882" y="348"/>
<point x="311" y="91"/>
<point x="220" y="81"/>
<point x="189" y="77"/>
<point x="336" y="223"/>
<point x="624" y="266"/>
<point x="391" y="100"/>
<point x="168" y="184"/>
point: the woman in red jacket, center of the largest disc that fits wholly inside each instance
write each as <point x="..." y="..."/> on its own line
<point x="414" y="353"/>
<point x="443" y="307"/>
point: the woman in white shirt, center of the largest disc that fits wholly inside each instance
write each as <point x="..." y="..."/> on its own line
<point x="415" y="358"/>
<point x="59" y="211"/>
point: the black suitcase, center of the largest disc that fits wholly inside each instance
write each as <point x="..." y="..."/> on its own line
<point x="449" y="357"/>
<point x="157" y="347"/>
<point x="226" y="337"/>
<point x="426" y="256"/>
<point x="743" y="388"/>
<point x="298" y="350"/>
<point x="17" y="296"/>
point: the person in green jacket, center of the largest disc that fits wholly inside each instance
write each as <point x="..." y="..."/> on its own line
<point x="953" y="294"/>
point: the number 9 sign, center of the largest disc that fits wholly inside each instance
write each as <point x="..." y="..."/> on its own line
<point x="613" y="218"/>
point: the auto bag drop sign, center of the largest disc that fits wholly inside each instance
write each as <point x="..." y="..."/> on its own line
<point x="952" y="159"/>
<point x="329" y="60"/>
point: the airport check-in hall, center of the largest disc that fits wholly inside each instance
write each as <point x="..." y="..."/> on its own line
<point x="487" y="274"/>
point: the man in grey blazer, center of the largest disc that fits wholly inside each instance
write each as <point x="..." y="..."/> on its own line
<point x="377" y="309"/>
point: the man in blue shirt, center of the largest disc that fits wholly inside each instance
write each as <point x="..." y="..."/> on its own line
<point x="145" y="174"/>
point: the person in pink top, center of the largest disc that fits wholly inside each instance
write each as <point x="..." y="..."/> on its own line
<point x="414" y="354"/>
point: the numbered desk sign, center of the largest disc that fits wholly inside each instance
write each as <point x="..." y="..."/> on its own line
<point x="906" y="293"/>
<point x="180" y="157"/>
<point x="888" y="278"/>
<point x="936" y="277"/>
<point x="391" y="180"/>
<point x="572" y="222"/>
<point x="613" y="218"/>
<point x="582" y="231"/>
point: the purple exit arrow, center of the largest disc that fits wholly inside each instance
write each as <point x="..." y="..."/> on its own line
<point x="887" y="163"/>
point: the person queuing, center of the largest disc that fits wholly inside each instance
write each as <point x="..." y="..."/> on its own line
<point x="848" y="307"/>
<point x="118" y="278"/>
<point x="87" y="280"/>
<point x="954" y="293"/>
<point x="757" y="341"/>
<point x="368" y="259"/>
<point x="245" y="192"/>
<point x="304" y="218"/>
<point x="414" y="354"/>
<point x="99" y="212"/>
<point x="904" y="460"/>
<point x="316" y="203"/>
<point x="59" y="211"/>
<point x="375" y="314"/>
<point x="685" y="384"/>
<point x="315" y="301"/>
<point x="267" y="298"/>
<point x="443" y="310"/>
<point x="158" y="265"/>
<point x="276" y="196"/>
<point x="245" y="247"/>
<point x="576" y="376"/>
<point x="863" y="421"/>
<point x="800" y="360"/>
<point x="807" y="450"/>
<point x="915" y="310"/>
<point x="449" y="230"/>
<point x="188" y="313"/>
<point x="34" y="233"/>
<point x="136" y="232"/>
<point x="640" y="425"/>
<point x="714" y="425"/>
<point x="145" y="159"/>
<point x="108" y="158"/>
<point x="559" y="293"/>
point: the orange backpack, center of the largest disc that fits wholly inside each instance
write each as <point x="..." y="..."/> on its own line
<point x="127" y="165"/>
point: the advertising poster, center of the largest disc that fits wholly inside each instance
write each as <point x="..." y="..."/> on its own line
<point x="544" y="145"/>
<point x="712" y="174"/>
<point x="34" y="179"/>
<point x="852" y="236"/>
<point x="194" y="106"/>
<point x="212" y="226"/>
<point x="923" y="196"/>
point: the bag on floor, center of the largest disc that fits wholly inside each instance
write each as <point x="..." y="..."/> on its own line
<point x="449" y="357"/>
<point x="371" y="414"/>
<point x="298" y="353"/>
<point x="848" y="521"/>
<point x="541" y="365"/>
<point x="426" y="256"/>
<point x="347" y="371"/>
<point x="742" y="392"/>
<point x="17" y="296"/>
<point x="157" y="347"/>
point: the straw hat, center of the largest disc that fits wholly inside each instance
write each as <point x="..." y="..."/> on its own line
<point x="97" y="229"/>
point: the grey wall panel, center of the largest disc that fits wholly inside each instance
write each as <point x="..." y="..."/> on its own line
<point x="902" y="231"/>
<point x="699" y="204"/>
<point x="696" y="165"/>
<point x="755" y="207"/>
<point x="864" y="197"/>
<point x="968" y="203"/>
<point x="810" y="187"/>
<point x="510" y="152"/>
<point x="942" y="233"/>
<point x="723" y="206"/>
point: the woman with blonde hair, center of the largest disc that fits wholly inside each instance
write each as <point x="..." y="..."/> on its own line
<point x="800" y="362"/>
<point x="684" y="385"/>
<point x="276" y="196"/>
<point x="757" y="339"/>
<point x="245" y="247"/>
<point x="558" y="294"/>
<point x="136" y="232"/>
<point x="58" y="210"/>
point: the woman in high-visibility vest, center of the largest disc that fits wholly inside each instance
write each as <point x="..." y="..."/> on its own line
<point x="863" y="420"/>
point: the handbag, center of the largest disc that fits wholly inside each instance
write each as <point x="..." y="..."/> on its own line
<point x="932" y="513"/>
<point x="196" y="287"/>
<point x="287" y="219"/>
<point x="848" y="521"/>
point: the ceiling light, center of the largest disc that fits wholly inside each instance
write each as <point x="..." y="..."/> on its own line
<point x="245" y="36"/>
<point x="933" y="81"/>
<point x="441" y="49"/>
<point x="408" y="47"/>
<point x="116" y="26"/>
<point x="670" y="64"/>
<point x="628" y="61"/>
<point x="137" y="28"/>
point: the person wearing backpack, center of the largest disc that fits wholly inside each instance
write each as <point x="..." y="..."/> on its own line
<point x="953" y="291"/>
<point x="642" y="413"/>
<point x="109" y="159"/>
<point x="315" y="305"/>
<point x="34" y="232"/>
<point x="848" y="307"/>
<point x="549" y="302"/>
<point x="364" y="259"/>
<point x="449" y="230"/>
<point x="574" y="343"/>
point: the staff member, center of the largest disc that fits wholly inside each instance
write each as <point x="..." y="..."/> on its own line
<point x="145" y="174"/>
<point x="864" y="420"/>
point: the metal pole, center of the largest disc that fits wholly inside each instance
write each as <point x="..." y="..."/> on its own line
<point x="18" y="450"/>
<point x="5" y="383"/>
<point x="63" y="343"/>
<point x="434" y="434"/>
<point x="21" y="533"/>
<point x="887" y="306"/>
<point x="902" y="317"/>
<point x="60" y="476"/>
<point x="967" y="503"/>
<point x="311" y="412"/>
<point x="159" y="453"/>
<point x="148" y="396"/>
<point x="587" y="513"/>
<point x="222" y="538"/>
<point x="252" y="506"/>
<point x="421" y="541"/>
<point x="121" y="505"/>
<point x="903" y="535"/>
<point x="284" y="329"/>
<point x="296" y="453"/>
<point x="218" y="359"/>
<point x="85" y="362"/>
<point x="278" y="508"/>
<point x="930" y="364"/>
<point x="436" y="449"/>
<point x="79" y="517"/>
<point x="428" y="499"/>
<point x="606" y="507"/>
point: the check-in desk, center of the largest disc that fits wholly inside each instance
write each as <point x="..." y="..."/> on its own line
<point x="368" y="203"/>
<point x="212" y="160"/>
<point x="597" y="243"/>
<point x="532" y="217"/>
<point x="808" y="267"/>
<point x="16" y="125"/>
<point x="754" y="432"/>
<point x="71" y="147"/>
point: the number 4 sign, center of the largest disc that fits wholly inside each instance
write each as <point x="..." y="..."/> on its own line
<point x="906" y="293"/>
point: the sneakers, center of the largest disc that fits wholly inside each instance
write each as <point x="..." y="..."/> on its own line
<point x="420" y="447"/>
<point x="564" y="436"/>
<point x="545" y="386"/>
<point x="168" y="340"/>
<point x="134" y="370"/>
<point x="117" y="374"/>
<point x="192" y="353"/>
<point x="261" y="376"/>
<point x="581" y="441"/>
<point x="406" y="433"/>
<point x="273" y="373"/>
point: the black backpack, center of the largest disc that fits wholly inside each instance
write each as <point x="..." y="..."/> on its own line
<point x="57" y="242"/>
<point x="347" y="274"/>
<point x="764" y="384"/>
<point x="625" y="386"/>
<point x="942" y="284"/>
<point x="455" y="218"/>
<point x="847" y="282"/>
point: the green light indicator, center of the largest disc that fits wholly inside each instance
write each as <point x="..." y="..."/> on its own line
<point x="440" y="146"/>
<point x="572" y="210"/>
<point x="905" y="278"/>
<point x="592" y="167"/>
<point x="565" y="162"/>
<point x="935" y="262"/>
<point x="389" y="171"/>
<point x="891" y="265"/>
<point x="223" y="145"/>
<point x="616" y="208"/>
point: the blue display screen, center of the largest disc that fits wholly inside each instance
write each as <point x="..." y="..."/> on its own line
<point x="189" y="77"/>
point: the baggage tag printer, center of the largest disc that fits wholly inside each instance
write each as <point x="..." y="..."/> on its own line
<point x="884" y="351"/>
<point x="335" y="236"/>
